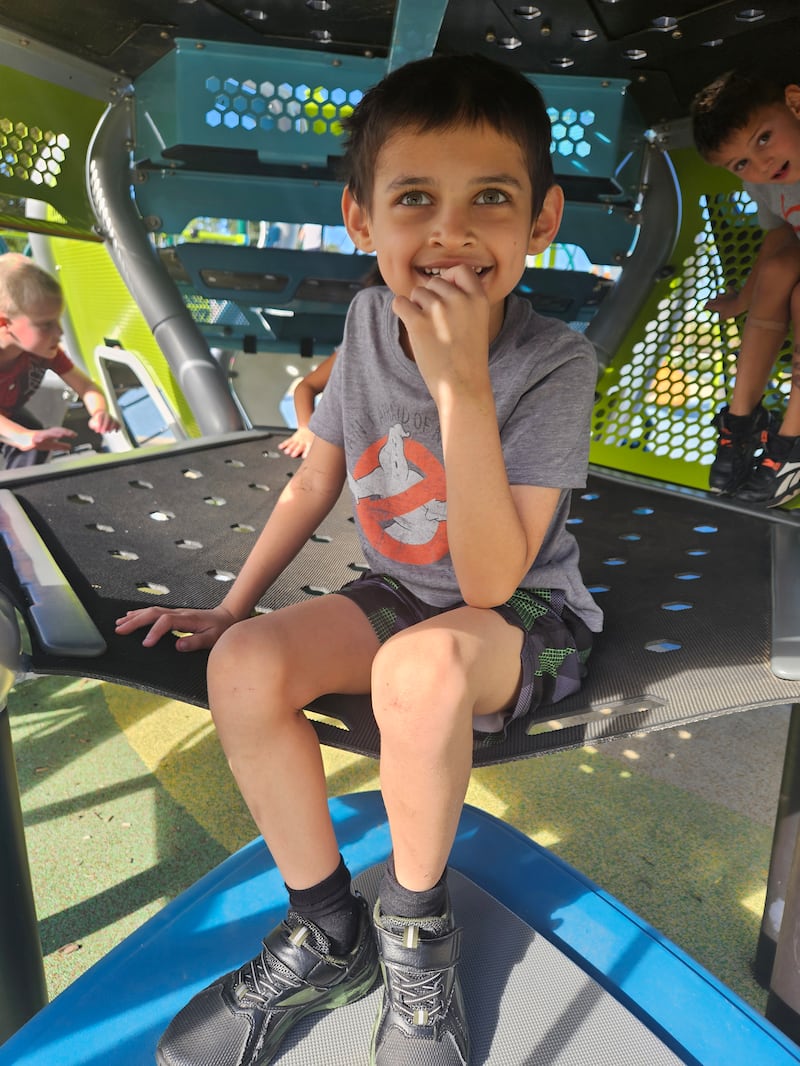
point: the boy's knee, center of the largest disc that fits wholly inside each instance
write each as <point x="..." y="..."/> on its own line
<point x="415" y="673"/>
<point x="241" y="648"/>
<point x="782" y="268"/>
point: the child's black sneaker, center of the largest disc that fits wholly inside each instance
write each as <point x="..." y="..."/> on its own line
<point x="241" y="1019"/>
<point x="739" y="438"/>
<point x="776" y="477"/>
<point x="421" y="1021"/>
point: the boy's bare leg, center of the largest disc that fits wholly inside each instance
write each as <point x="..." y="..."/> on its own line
<point x="791" y="417"/>
<point x="766" y="325"/>
<point x="261" y="673"/>
<point x="428" y="682"/>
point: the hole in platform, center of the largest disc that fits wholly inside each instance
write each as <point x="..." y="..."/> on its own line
<point x="597" y="718"/>
<point x="315" y="590"/>
<point x="259" y="488"/>
<point x="677" y="605"/>
<point x="326" y="719"/>
<point x="614" y="561"/>
<point x="662" y="645"/>
<point x="189" y="545"/>
<point x="99" y="527"/>
<point x="126" y="556"/>
<point x="152" y="588"/>
<point x="162" y="516"/>
<point x="688" y="575"/>
<point x="221" y="575"/>
<point x="595" y="589"/>
<point x="360" y="568"/>
<point x="706" y="529"/>
<point x="630" y="536"/>
<point x="242" y="527"/>
<point x="643" y="510"/>
<point x="321" y="538"/>
<point x="138" y="484"/>
<point x="80" y="497"/>
<point x="215" y="501"/>
<point x="696" y="551"/>
<point x="193" y="475"/>
<point x="234" y="462"/>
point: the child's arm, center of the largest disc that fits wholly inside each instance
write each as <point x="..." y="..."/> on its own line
<point x="494" y="530"/>
<point x="735" y="302"/>
<point x="306" y="391"/>
<point x="100" y="421"/>
<point x="52" y="439"/>
<point x="302" y="505"/>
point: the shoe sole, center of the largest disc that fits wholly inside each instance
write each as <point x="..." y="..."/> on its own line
<point x="346" y="995"/>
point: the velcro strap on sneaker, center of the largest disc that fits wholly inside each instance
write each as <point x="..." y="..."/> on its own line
<point x="302" y="957"/>
<point x="435" y="953"/>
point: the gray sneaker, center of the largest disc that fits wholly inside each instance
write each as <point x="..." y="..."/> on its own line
<point x="421" y="1021"/>
<point x="241" y="1019"/>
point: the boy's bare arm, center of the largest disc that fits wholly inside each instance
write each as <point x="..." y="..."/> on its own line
<point x="100" y="421"/>
<point x="494" y="532"/>
<point x="51" y="439"/>
<point x="302" y="505"/>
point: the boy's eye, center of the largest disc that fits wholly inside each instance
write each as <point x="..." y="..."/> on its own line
<point x="491" y="196"/>
<point x="414" y="198"/>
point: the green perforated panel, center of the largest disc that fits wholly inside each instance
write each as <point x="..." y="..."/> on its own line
<point x="101" y="309"/>
<point x="677" y="363"/>
<point x="44" y="135"/>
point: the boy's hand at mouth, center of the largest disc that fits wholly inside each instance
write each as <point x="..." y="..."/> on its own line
<point x="447" y="322"/>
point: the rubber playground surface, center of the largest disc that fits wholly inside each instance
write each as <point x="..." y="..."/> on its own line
<point x="127" y="800"/>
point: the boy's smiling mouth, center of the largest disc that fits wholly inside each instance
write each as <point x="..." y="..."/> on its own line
<point x="434" y="272"/>
<point x="781" y="172"/>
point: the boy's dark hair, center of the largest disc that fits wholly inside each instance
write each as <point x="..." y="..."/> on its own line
<point x="726" y="106"/>
<point x="440" y="92"/>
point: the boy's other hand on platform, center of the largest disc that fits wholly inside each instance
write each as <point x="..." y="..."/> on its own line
<point x="195" y="629"/>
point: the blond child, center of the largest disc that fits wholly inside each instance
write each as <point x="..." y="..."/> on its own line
<point x="31" y="305"/>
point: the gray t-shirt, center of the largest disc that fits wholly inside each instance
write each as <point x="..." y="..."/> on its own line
<point x="776" y="204"/>
<point x="376" y="406"/>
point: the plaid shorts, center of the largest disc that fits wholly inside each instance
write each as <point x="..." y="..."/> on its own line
<point x="554" y="653"/>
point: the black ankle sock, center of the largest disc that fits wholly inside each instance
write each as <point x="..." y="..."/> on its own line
<point x="331" y="906"/>
<point x="402" y="902"/>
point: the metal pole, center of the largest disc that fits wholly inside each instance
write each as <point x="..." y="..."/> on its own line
<point x="22" y="980"/>
<point x="180" y="339"/>
<point x="784" y="843"/>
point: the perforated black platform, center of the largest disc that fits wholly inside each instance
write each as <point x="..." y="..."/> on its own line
<point x="685" y="587"/>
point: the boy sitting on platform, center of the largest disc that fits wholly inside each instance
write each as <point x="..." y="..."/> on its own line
<point x="459" y="419"/>
<point x="751" y="127"/>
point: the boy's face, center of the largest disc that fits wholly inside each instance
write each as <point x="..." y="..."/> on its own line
<point x="449" y="197"/>
<point x="767" y="149"/>
<point x="38" y="332"/>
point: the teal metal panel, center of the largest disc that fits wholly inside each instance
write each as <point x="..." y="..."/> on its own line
<point x="284" y="104"/>
<point x="173" y="198"/>
<point x="415" y="31"/>
<point x="605" y="233"/>
<point x="595" y="123"/>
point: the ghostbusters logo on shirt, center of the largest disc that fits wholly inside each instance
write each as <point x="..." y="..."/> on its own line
<point x="399" y="490"/>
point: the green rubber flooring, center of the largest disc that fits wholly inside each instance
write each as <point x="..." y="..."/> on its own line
<point x="127" y="800"/>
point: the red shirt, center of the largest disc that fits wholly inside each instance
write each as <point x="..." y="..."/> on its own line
<point x="20" y="379"/>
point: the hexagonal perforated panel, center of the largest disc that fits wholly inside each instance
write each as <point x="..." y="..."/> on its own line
<point x="679" y="362"/>
<point x="283" y="107"/>
<point x="30" y="153"/>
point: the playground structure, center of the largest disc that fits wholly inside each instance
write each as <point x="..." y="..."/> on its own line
<point x="142" y="160"/>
